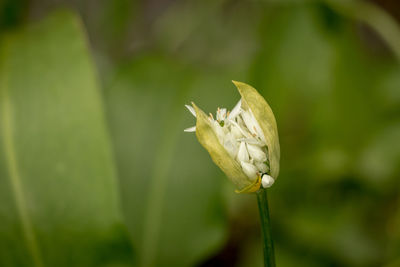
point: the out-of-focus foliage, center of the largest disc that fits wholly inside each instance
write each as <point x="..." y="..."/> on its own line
<point x="325" y="68"/>
<point x="59" y="203"/>
<point x="172" y="204"/>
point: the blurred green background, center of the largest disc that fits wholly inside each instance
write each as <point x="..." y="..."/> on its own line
<point x="95" y="169"/>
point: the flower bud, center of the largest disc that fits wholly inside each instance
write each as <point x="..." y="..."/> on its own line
<point x="243" y="143"/>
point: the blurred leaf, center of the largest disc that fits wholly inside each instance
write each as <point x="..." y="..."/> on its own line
<point x="12" y="13"/>
<point x="216" y="32"/>
<point x="58" y="200"/>
<point x="171" y="193"/>
<point x="324" y="89"/>
<point x="388" y="93"/>
<point x="380" y="163"/>
<point x="374" y="16"/>
<point x="318" y="231"/>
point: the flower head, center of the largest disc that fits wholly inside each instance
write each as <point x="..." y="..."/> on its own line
<point x="243" y="142"/>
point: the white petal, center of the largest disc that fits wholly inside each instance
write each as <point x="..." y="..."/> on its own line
<point x="267" y="181"/>
<point x="235" y="111"/>
<point x="249" y="121"/>
<point x="257" y="127"/>
<point x="230" y="145"/>
<point x="256" y="153"/>
<point x="218" y="131"/>
<point x="191" y="109"/>
<point x="240" y="129"/>
<point x="237" y="134"/>
<point x="252" y="124"/>
<point x="243" y="155"/>
<point x="190" y="130"/>
<point x="243" y="127"/>
<point x="250" y="170"/>
<point x="252" y="141"/>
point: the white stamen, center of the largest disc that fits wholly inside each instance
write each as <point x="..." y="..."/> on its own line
<point x="190" y="130"/>
<point x="267" y="181"/>
<point x="191" y="109"/>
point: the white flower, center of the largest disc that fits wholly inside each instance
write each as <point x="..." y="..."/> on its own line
<point x="243" y="139"/>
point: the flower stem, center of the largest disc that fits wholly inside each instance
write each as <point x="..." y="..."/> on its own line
<point x="268" y="244"/>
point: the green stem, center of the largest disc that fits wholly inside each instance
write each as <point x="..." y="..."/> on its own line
<point x="268" y="244"/>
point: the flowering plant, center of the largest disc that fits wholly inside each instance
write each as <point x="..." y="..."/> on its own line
<point x="243" y="142"/>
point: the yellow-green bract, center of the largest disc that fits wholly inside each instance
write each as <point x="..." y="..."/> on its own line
<point x="262" y="112"/>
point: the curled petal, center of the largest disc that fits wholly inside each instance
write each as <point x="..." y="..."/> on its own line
<point x="191" y="109"/>
<point x="190" y="130"/>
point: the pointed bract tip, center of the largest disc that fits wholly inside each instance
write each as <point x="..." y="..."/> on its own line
<point x="236" y="83"/>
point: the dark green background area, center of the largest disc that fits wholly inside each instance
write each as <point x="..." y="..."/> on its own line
<point x="95" y="169"/>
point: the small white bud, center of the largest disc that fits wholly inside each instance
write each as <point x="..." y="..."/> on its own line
<point x="267" y="180"/>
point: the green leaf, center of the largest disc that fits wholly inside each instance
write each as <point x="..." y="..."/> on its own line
<point x="58" y="192"/>
<point x="170" y="190"/>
